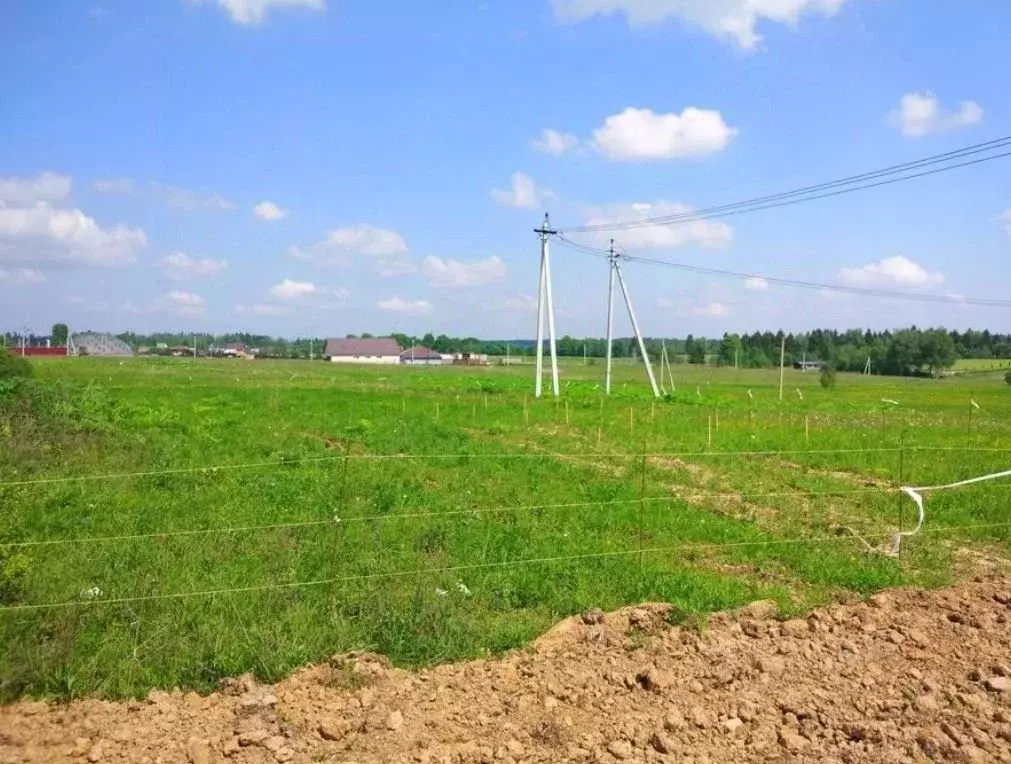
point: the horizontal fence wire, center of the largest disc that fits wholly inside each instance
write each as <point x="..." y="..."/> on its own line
<point x="337" y="520"/>
<point x="505" y="456"/>
<point x="694" y="546"/>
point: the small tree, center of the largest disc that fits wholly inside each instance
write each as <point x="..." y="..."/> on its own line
<point x="59" y="335"/>
<point x="1007" y="377"/>
<point x="827" y="378"/>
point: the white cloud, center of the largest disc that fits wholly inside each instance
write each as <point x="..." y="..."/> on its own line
<point x="522" y="193"/>
<point x="389" y="268"/>
<point x="113" y="185"/>
<point x="397" y="305"/>
<point x="292" y="290"/>
<point x="756" y="284"/>
<point x="264" y="309"/>
<point x="183" y="303"/>
<point x="521" y="302"/>
<point x="21" y="276"/>
<point x="920" y="114"/>
<point x="45" y="187"/>
<point x="363" y="239"/>
<point x="193" y="201"/>
<point x="42" y="235"/>
<point x="637" y="135"/>
<point x="664" y="302"/>
<point x="179" y="266"/>
<point x="734" y="20"/>
<point x="712" y="309"/>
<point x="1006" y="218"/>
<point x="452" y="273"/>
<point x="267" y="210"/>
<point x="554" y="143"/>
<point x="711" y="234"/>
<point x="252" y="12"/>
<point x="896" y="270"/>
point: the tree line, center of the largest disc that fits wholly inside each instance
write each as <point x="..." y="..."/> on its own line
<point x="903" y="352"/>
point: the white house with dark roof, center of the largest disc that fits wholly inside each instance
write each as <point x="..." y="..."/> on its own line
<point x="420" y="356"/>
<point x="375" y="351"/>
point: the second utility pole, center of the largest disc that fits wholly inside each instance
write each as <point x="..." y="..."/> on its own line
<point x="544" y="302"/>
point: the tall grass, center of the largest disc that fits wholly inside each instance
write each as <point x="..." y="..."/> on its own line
<point x="499" y="515"/>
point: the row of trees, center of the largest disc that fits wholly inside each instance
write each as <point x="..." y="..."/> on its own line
<point x="902" y="352"/>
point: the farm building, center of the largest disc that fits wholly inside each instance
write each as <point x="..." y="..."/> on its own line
<point x="420" y="356"/>
<point x="807" y="365"/>
<point x="377" y="351"/>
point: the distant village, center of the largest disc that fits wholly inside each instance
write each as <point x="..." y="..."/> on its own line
<point x="374" y="350"/>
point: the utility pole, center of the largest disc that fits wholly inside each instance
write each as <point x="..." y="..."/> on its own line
<point x="613" y="259"/>
<point x="544" y="302"/>
<point x="782" y="361"/>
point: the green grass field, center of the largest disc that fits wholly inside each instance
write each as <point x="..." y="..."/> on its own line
<point x="200" y="518"/>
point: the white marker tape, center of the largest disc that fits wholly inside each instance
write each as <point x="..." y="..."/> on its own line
<point x="749" y="393"/>
<point x="974" y="404"/>
<point x="889" y="400"/>
<point x="800" y="394"/>
<point x="916" y="494"/>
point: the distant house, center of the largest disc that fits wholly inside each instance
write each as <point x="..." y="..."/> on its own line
<point x="807" y="365"/>
<point x="420" y="356"/>
<point x="376" y="351"/>
<point x="236" y="350"/>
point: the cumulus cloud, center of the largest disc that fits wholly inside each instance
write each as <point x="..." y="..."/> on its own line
<point x="193" y="201"/>
<point x="390" y="268"/>
<point x="397" y="305"/>
<point x="637" y="135"/>
<point x="339" y="245"/>
<point x="292" y="290"/>
<point x="756" y="284"/>
<point x="520" y="302"/>
<point x="113" y="185"/>
<point x="890" y="271"/>
<point x="522" y="193"/>
<point x="921" y="114"/>
<point x="45" y="187"/>
<point x="554" y="143"/>
<point x="712" y="309"/>
<point x="732" y="20"/>
<point x="41" y="235"/>
<point x="21" y="276"/>
<point x="179" y="266"/>
<point x="183" y="303"/>
<point x="712" y="234"/>
<point x="264" y="309"/>
<point x="251" y="12"/>
<point x="452" y="273"/>
<point x="269" y="211"/>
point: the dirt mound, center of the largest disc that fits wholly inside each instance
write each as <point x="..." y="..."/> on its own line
<point x="909" y="676"/>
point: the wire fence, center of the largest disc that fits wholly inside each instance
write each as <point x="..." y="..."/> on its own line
<point x="418" y="572"/>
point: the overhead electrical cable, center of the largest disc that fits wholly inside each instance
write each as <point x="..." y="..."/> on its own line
<point x="851" y="184"/>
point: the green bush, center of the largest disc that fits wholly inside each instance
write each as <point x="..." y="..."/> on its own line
<point x="827" y="378"/>
<point x="12" y="366"/>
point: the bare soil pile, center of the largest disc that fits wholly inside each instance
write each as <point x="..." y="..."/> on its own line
<point x="910" y="676"/>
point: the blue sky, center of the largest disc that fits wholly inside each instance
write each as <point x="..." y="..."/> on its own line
<point x="337" y="166"/>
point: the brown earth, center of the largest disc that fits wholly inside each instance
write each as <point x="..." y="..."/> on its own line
<point x="910" y="676"/>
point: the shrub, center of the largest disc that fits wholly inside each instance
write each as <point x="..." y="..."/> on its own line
<point x="827" y="378"/>
<point x="12" y="366"/>
<point x="1007" y="377"/>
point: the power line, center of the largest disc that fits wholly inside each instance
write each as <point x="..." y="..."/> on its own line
<point x="865" y="291"/>
<point x="819" y="191"/>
